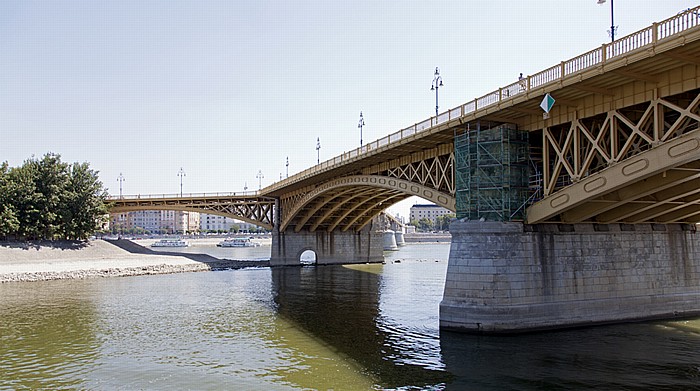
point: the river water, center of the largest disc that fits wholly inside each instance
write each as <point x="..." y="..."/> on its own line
<point x="357" y="327"/>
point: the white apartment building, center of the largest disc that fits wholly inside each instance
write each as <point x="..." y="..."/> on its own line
<point x="429" y="211"/>
<point x="157" y="221"/>
<point x="209" y="222"/>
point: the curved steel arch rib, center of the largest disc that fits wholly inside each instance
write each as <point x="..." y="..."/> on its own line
<point x="340" y="206"/>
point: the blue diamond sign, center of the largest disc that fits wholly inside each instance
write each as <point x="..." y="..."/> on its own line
<point x="547" y="103"/>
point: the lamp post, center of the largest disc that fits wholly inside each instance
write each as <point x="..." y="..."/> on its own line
<point x="260" y="176"/>
<point x="287" y="165"/>
<point x="181" y="174"/>
<point x="245" y="186"/>
<point x="120" y="179"/>
<point x="437" y="83"/>
<point x="360" y="125"/>
<point x="318" y="150"/>
<point x="613" y="28"/>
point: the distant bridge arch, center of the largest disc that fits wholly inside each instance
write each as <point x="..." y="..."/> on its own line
<point x="251" y="209"/>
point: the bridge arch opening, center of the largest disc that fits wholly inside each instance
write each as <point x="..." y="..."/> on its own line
<point x="308" y="258"/>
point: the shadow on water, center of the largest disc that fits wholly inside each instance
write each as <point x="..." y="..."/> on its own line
<point x="48" y="339"/>
<point x="658" y="356"/>
<point x="340" y="306"/>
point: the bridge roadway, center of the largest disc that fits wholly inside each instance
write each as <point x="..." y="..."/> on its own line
<point x="617" y="157"/>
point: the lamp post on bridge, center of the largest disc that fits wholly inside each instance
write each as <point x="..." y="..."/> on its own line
<point x="437" y="83"/>
<point x="613" y="28"/>
<point x="287" y="165"/>
<point x="120" y="179"/>
<point x="181" y="174"/>
<point x="318" y="150"/>
<point x="260" y="177"/>
<point x="360" y="125"/>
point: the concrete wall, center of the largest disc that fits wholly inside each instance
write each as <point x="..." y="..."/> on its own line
<point x="330" y="247"/>
<point x="510" y="277"/>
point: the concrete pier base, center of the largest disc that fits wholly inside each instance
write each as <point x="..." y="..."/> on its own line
<point x="400" y="241"/>
<point x="335" y="247"/>
<point x="390" y="241"/>
<point x="511" y="277"/>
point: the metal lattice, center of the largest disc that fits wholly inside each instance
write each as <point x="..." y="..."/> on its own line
<point x="492" y="173"/>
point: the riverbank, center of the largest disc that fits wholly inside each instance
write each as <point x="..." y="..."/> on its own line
<point x="41" y="261"/>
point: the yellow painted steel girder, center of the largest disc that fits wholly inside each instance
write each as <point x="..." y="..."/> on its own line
<point x="251" y="209"/>
<point x="659" y="169"/>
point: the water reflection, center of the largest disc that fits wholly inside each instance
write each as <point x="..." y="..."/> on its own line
<point x="341" y="307"/>
<point x="47" y="336"/>
<point x="631" y="356"/>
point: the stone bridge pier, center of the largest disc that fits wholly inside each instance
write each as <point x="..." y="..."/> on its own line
<point x="513" y="277"/>
<point x="335" y="247"/>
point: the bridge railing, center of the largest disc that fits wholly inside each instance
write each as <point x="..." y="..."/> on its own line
<point x="644" y="38"/>
<point x="185" y="195"/>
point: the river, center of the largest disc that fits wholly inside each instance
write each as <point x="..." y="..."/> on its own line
<point x="359" y="327"/>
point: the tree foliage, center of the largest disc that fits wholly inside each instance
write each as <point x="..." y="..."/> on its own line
<point x="48" y="199"/>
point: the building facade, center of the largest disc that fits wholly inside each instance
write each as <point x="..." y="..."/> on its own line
<point x="428" y="211"/>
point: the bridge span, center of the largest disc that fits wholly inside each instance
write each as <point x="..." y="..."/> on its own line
<point x="582" y="215"/>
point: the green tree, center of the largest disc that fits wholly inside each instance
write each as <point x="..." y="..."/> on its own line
<point x="49" y="199"/>
<point x="443" y="222"/>
<point x="425" y="224"/>
<point x="84" y="208"/>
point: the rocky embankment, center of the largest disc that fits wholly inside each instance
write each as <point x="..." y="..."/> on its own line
<point x="41" y="261"/>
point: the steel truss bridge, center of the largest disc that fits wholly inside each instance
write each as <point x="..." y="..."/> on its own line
<point x="621" y="144"/>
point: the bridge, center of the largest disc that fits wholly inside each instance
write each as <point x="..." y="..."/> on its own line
<point x="585" y="214"/>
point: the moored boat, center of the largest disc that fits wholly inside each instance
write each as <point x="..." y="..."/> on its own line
<point x="171" y="243"/>
<point x="238" y="242"/>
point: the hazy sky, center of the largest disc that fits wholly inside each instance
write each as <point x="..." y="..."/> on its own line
<point x="225" y="89"/>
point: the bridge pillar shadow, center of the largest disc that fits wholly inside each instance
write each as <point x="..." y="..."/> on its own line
<point x="336" y="247"/>
<point x="512" y="277"/>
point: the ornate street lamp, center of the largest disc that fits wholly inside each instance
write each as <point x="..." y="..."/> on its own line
<point x="287" y="166"/>
<point x="260" y="178"/>
<point x="437" y="83"/>
<point x="120" y="179"/>
<point x="360" y="125"/>
<point x="318" y="150"/>
<point x="181" y="174"/>
<point x="613" y="28"/>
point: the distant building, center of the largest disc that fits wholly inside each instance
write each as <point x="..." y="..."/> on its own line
<point x="209" y="222"/>
<point x="428" y="211"/>
<point x="156" y="221"/>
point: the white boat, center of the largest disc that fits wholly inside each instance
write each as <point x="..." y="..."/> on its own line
<point x="171" y="243"/>
<point x="237" y="242"/>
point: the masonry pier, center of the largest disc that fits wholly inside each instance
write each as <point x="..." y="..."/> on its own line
<point x="509" y="277"/>
<point x="336" y="247"/>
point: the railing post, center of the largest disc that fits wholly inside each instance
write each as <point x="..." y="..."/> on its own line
<point x="500" y="94"/>
<point x="654" y="33"/>
<point x="561" y="70"/>
<point x="604" y="54"/>
<point x="527" y="87"/>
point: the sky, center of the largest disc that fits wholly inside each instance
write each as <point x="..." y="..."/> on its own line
<point x="226" y="90"/>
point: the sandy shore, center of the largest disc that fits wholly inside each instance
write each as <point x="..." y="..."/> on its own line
<point x="40" y="261"/>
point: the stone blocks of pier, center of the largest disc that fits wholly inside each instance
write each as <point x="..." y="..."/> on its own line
<point x="508" y="277"/>
<point x="336" y="247"/>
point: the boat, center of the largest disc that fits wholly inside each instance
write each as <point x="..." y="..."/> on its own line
<point x="238" y="242"/>
<point x="171" y="243"/>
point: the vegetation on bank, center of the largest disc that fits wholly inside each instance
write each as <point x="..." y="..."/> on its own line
<point x="441" y="223"/>
<point x="50" y="200"/>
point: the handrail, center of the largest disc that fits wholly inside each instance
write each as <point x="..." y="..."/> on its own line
<point x="185" y="195"/>
<point x="644" y="38"/>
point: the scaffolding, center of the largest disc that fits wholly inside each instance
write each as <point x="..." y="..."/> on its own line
<point x="492" y="173"/>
